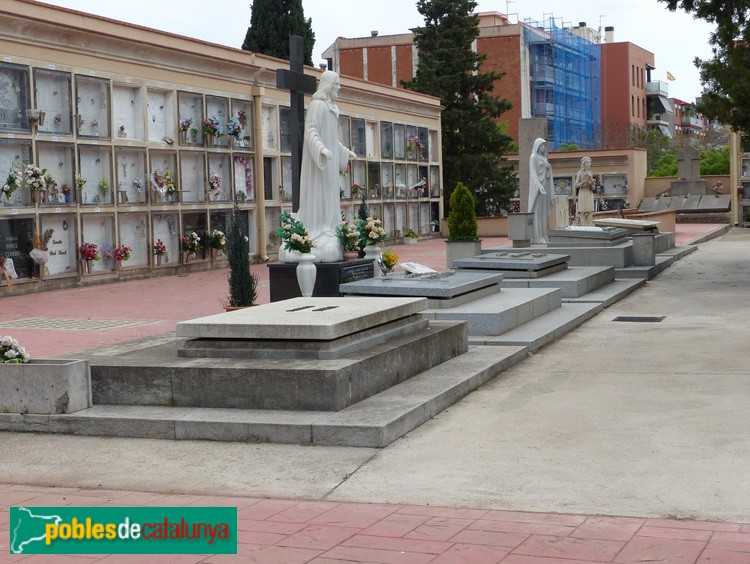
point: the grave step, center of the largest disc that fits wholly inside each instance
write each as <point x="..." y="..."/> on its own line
<point x="543" y="330"/>
<point x="679" y="252"/>
<point x="663" y="262"/>
<point x="501" y="312"/>
<point x="573" y="282"/>
<point x="374" y="422"/>
<point x="609" y="294"/>
<point x="381" y="419"/>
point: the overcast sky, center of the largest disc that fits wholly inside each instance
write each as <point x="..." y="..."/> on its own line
<point x="674" y="38"/>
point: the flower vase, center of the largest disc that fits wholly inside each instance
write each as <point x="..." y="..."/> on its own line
<point x="306" y="274"/>
<point x="209" y="137"/>
<point x="36" y="196"/>
<point x="118" y="265"/>
<point x="183" y="137"/>
<point x="214" y="253"/>
<point x="89" y="266"/>
<point x="372" y="252"/>
<point x="351" y="255"/>
<point x="158" y="260"/>
<point x="185" y="257"/>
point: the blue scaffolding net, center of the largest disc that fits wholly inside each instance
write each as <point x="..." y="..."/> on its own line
<point x="565" y="76"/>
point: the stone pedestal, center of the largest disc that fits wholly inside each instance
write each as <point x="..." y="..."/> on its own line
<point x="644" y="251"/>
<point x="330" y="275"/>
<point x="44" y="386"/>
<point x="461" y="249"/>
<point x="521" y="229"/>
<point x="517" y="264"/>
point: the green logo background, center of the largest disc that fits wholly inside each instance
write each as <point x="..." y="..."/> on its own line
<point x="28" y="530"/>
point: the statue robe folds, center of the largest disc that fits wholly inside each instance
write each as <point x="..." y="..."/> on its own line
<point x="319" y="208"/>
<point x="541" y="191"/>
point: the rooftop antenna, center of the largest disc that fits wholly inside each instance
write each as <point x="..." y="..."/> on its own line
<point x="507" y="6"/>
<point x="601" y="17"/>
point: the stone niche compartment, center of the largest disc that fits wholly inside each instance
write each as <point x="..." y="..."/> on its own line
<point x="127" y="105"/>
<point x="219" y="165"/>
<point x="14" y="153"/>
<point x="286" y="179"/>
<point x="162" y="162"/>
<point x="131" y="176"/>
<point x="160" y="115"/>
<point x="92" y="107"/>
<point x="62" y="246"/>
<point x="192" y="177"/>
<point x="166" y="229"/>
<point x="190" y="106"/>
<point x="134" y="233"/>
<point x="57" y="158"/>
<point x="16" y="242"/>
<point x="53" y="94"/>
<point x="99" y="228"/>
<point x="45" y="386"/>
<point x="217" y="107"/>
<point x="243" y="178"/>
<point x="244" y="108"/>
<point x="95" y="166"/>
<point x="270" y="128"/>
<point x="14" y="97"/>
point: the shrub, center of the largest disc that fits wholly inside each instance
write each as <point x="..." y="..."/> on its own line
<point x="462" y="219"/>
<point x="243" y="285"/>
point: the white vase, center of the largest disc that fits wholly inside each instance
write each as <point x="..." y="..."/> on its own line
<point x="372" y="252"/>
<point x="306" y="274"/>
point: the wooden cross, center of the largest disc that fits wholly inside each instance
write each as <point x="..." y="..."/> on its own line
<point x="298" y="84"/>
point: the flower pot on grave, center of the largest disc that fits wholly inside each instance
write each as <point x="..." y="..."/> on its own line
<point x="158" y="260"/>
<point x="89" y="266"/>
<point x="351" y="255"/>
<point x="372" y="252"/>
<point x="457" y="250"/>
<point x="183" y="137"/>
<point x="185" y="257"/>
<point x="306" y="274"/>
<point x="214" y="253"/>
<point x="118" y="265"/>
<point x="45" y="386"/>
<point x="36" y="197"/>
<point x="209" y="139"/>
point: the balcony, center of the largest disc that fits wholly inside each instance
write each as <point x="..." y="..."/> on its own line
<point x="692" y="122"/>
<point x="658" y="119"/>
<point x="657" y="88"/>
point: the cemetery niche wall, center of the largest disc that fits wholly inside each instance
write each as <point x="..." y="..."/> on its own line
<point x="130" y="157"/>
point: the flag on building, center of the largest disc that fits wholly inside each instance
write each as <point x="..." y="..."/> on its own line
<point x="670" y="76"/>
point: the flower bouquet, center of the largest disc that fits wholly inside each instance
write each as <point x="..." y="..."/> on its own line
<point x="123" y="252"/>
<point x="371" y="232"/>
<point x="34" y="177"/>
<point x="234" y="128"/>
<point x="11" y="352"/>
<point x="190" y="244"/>
<point x="184" y="127"/>
<point x="348" y="235"/>
<point x="160" y="250"/>
<point x="103" y="187"/>
<point x="414" y="145"/>
<point x="12" y="183"/>
<point x="90" y="251"/>
<point x="388" y="261"/>
<point x="214" y="184"/>
<point x="163" y="182"/>
<point x="211" y="128"/>
<point x="217" y="242"/>
<point x="293" y="234"/>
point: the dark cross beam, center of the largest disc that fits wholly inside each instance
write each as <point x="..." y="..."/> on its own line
<point x="298" y="84"/>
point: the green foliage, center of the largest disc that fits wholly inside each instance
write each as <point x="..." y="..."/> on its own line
<point x="725" y="77"/>
<point x="666" y="165"/>
<point x="363" y="213"/>
<point x="462" y="219"/>
<point x="657" y="145"/>
<point x="569" y="147"/>
<point x="448" y="68"/>
<point x="243" y="285"/>
<point x="271" y="24"/>
<point x="715" y="161"/>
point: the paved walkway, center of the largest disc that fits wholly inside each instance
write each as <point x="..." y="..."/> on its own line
<point x="616" y="420"/>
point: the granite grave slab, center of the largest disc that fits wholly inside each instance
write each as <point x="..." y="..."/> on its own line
<point x="515" y="264"/>
<point x="576" y="236"/>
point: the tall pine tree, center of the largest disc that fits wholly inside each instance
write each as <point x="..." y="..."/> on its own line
<point x="271" y="24"/>
<point x="473" y="142"/>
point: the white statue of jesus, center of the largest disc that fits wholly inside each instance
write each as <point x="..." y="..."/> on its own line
<point x="323" y="157"/>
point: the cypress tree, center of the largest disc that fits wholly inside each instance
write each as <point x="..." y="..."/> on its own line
<point x="473" y="142"/>
<point x="243" y="285"/>
<point x="462" y="219"/>
<point x="271" y="24"/>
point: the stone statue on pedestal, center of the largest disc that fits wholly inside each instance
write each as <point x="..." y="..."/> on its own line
<point x="323" y="157"/>
<point x="541" y="190"/>
<point x="584" y="183"/>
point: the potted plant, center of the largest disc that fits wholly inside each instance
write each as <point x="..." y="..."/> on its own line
<point x="462" y="226"/>
<point x="35" y="182"/>
<point x="410" y="237"/>
<point x="243" y="285"/>
<point x="349" y="237"/>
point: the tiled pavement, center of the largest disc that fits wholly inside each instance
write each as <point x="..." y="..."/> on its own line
<point x="287" y="531"/>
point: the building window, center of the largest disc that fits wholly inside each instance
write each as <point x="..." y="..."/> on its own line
<point x="632" y="105"/>
<point x="639" y="106"/>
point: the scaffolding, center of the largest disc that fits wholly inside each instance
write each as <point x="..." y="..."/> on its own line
<point x="565" y="75"/>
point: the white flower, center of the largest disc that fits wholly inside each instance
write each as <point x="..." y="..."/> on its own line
<point x="11" y="354"/>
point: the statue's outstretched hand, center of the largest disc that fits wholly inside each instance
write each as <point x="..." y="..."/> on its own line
<point x="327" y="154"/>
<point x="352" y="155"/>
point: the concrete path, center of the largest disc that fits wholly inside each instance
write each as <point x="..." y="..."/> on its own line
<point x="640" y="420"/>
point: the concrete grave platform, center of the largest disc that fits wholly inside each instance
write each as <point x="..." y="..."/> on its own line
<point x="442" y="289"/>
<point x="515" y="264"/>
<point x="630" y="226"/>
<point x="574" y="236"/>
<point x="663" y="262"/>
<point x="573" y="282"/>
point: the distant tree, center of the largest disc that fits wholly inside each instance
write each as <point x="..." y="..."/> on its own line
<point x="657" y="145"/>
<point x="569" y="147"/>
<point x="666" y="165"/>
<point x="271" y="24"/>
<point x="473" y="143"/>
<point x="715" y="161"/>
<point x="243" y="284"/>
<point x="725" y="77"/>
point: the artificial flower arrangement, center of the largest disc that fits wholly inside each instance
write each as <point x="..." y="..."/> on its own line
<point x="90" y="251"/>
<point x="122" y="252"/>
<point x="12" y="183"/>
<point x="164" y="181"/>
<point x="242" y="118"/>
<point x="217" y="240"/>
<point x="389" y="260"/>
<point x="293" y="234"/>
<point x="185" y="124"/>
<point x="160" y="249"/>
<point x="214" y="182"/>
<point x="371" y="231"/>
<point x="234" y="128"/>
<point x="51" y="184"/>
<point x="211" y="126"/>
<point x="348" y="235"/>
<point x="35" y="178"/>
<point x="103" y="187"/>
<point x="414" y="142"/>
<point x="80" y="181"/>
<point x="11" y="352"/>
<point x="191" y="243"/>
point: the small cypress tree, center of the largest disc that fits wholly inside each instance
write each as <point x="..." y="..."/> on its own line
<point x="243" y="285"/>
<point x="462" y="219"/>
